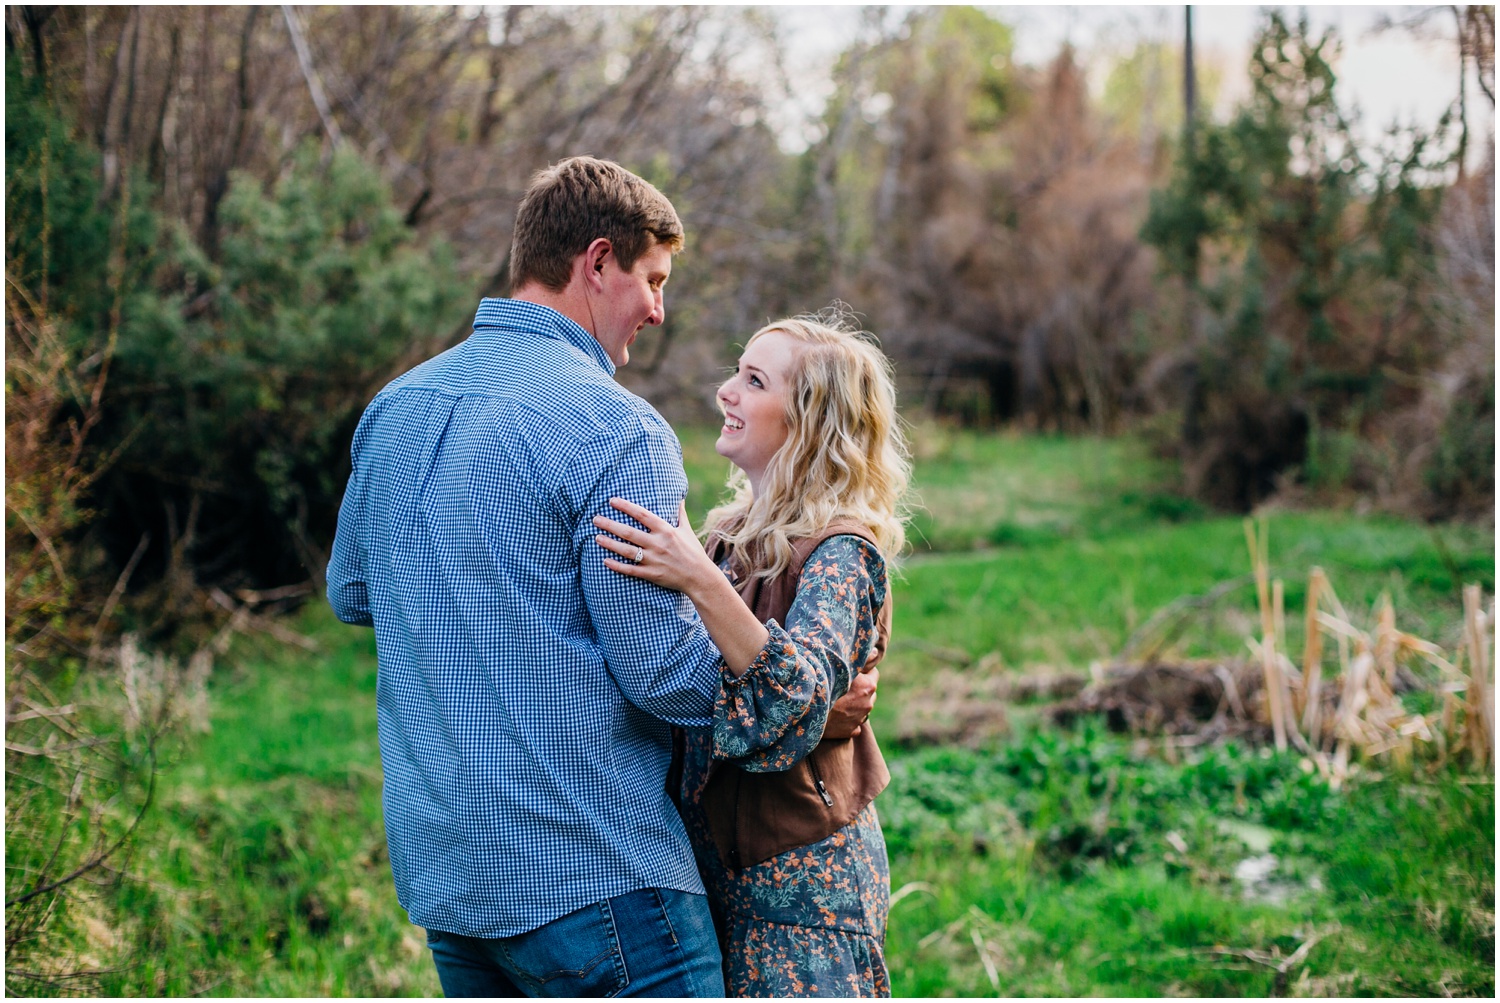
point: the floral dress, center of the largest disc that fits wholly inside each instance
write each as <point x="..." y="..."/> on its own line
<point x="810" y="921"/>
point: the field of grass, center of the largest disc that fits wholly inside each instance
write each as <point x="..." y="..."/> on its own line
<point x="263" y="871"/>
<point x="1044" y="862"/>
<point x="1047" y="867"/>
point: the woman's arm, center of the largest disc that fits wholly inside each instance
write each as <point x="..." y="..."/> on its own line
<point x="672" y="557"/>
<point x="773" y="716"/>
<point x="775" y="700"/>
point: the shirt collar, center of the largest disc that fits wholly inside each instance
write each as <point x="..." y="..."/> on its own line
<point x="542" y="321"/>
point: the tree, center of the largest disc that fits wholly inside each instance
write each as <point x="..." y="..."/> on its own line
<point x="1315" y="261"/>
<point x="1000" y="262"/>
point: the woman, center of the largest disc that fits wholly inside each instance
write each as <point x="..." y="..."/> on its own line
<point x="793" y="859"/>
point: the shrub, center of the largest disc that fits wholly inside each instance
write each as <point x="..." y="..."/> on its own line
<point x="239" y="380"/>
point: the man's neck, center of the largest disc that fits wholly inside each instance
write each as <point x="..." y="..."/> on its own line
<point x="565" y="301"/>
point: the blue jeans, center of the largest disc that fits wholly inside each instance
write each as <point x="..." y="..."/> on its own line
<point x="653" y="942"/>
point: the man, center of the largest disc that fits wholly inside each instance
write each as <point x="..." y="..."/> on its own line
<point x="525" y="691"/>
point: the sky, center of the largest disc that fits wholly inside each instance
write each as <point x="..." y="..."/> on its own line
<point x="1388" y="76"/>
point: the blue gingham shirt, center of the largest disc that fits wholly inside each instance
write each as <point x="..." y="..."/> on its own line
<point x="524" y="689"/>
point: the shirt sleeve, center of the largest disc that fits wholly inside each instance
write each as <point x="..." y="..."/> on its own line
<point x="348" y="593"/>
<point x="653" y="642"/>
<point x="772" y="716"/>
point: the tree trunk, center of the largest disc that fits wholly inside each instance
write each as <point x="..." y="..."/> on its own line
<point x="157" y="165"/>
<point x="218" y="184"/>
<point x="1189" y="74"/>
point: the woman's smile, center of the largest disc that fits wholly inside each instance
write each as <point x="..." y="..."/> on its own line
<point x="754" y="404"/>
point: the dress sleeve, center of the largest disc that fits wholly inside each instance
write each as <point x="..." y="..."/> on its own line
<point x="769" y="718"/>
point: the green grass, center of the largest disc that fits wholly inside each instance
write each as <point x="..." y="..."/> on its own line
<point x="1077" y="598"/>
<point x="977" y="491"/>
<point x="1055" y="851"/>
<point x="263" y="870"/>
<point x="1057" y="856"/>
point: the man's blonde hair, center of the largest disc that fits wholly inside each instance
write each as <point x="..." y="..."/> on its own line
<point x="845" y="458"/>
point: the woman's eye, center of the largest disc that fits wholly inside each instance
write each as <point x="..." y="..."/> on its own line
<point x="754" y="381"/>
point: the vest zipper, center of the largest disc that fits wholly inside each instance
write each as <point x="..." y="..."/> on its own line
<point x="812" y="768"/>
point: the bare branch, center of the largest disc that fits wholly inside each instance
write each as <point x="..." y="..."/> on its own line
<point x="117" y="592"/>
<point x="310" y="74"/>
<point x="101" y="856"/>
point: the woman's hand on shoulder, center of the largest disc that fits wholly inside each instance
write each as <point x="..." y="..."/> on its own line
<point x="672" y="557"/>
<point x="661" y="553"/>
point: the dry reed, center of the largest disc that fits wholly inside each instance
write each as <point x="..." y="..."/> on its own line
<point x="1361" y="709"/>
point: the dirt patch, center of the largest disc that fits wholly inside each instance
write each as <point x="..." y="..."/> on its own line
<point x="1212" y="698"/>
<point x="1209" y="698"/>
<point x="970" y="709"/>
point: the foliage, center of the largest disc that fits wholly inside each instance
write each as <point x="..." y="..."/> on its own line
<point x="72" y="261"/>
<point x="60" y="232"/>
<point x="1461" y="474"/>
<point x="234" y="379"/>
<point x="1142" y="95"/>
<point x="983" y="213"/>
<point x="80" y="780"/>
<point x="1054" y="785"/>
<point x="77" y="782"/>
<point x="1310" y="272"/>
<point x="250" y="371"/>
<point x="455" y="107"/>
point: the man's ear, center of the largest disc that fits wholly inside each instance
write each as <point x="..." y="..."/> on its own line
<point x="599" y="251"/>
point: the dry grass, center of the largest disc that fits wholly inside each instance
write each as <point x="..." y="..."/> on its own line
<point x="1362" y="708"/>
<point x="1354" y="690"/>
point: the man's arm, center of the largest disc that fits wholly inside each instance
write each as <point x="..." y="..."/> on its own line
<point x="652" y="639"/>
<point x="348" y="592"/>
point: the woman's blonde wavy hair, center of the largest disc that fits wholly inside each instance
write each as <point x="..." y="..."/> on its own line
<point x="845" y="458"/>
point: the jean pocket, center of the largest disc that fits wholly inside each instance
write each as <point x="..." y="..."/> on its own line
<point x="577" y="955"/>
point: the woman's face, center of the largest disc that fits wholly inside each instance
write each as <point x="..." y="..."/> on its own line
<point x="754" y="404"/>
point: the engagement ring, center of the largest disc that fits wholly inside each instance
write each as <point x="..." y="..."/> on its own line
<point x="640" y="554"/>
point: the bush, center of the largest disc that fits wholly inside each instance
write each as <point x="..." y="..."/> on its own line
<point x="203" y="403"/>
<point x="73" y="257"/>
<point x="241" y="379"/>
<point x="1461" y="474"/>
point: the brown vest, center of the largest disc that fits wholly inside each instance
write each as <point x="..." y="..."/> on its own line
<point x="755" y="816"/>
